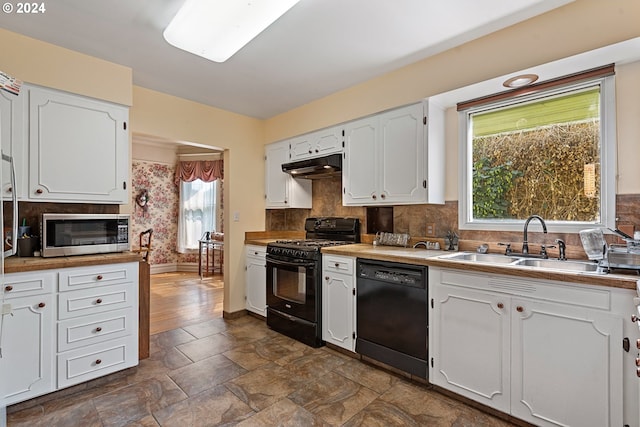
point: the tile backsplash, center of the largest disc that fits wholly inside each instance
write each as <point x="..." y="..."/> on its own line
<point x="413" y="219"/>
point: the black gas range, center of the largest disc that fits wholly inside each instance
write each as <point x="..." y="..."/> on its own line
<point x="294" y="272"/>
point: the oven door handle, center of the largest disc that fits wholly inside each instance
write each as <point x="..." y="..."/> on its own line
<point x="289" y="263"/>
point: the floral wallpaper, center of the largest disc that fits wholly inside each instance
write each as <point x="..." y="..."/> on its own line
<point x="159" y="213"/>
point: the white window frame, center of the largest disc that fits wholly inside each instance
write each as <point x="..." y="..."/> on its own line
<point x="608" y="176"/>
<point x="215" y="217"/>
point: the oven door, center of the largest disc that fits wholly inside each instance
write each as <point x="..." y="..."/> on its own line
<point x="292" y="287"/>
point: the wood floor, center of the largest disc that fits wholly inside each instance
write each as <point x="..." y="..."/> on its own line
<point x="179" y="299"/>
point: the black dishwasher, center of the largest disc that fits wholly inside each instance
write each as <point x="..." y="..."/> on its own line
<point x="392" y="321"/>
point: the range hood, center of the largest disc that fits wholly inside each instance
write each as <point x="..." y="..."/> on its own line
<point x="320" y="167"/>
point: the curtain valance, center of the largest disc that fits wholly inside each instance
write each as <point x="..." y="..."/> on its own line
<point x="205" y="170"/>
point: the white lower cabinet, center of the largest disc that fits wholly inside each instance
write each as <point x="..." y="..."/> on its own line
<point x="548" y="353"/>
<point x="339" y="301"/>
<point x="256" y="279"/>
<point x="28" y="345"/>
<point x="57" y="337"/>
<point x="97" y="321"/>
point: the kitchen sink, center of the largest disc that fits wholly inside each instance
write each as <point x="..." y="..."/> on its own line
<point x="552" y="264"/>
<point x="477" y="257"/>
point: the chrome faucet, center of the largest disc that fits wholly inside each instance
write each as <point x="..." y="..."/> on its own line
<point x="525" y="244"/>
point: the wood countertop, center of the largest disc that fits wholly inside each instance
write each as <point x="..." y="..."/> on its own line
<point x="432" y="258"/>
<point x="17" y="264"/>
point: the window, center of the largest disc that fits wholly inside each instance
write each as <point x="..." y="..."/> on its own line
<point x="550" y="153"/>
<point x="198" y="212"/>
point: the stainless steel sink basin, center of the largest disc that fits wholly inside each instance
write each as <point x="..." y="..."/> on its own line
<point x="477" y="257"/>
<point x="552" y="264"/>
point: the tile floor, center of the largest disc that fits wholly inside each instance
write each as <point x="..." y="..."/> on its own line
<point x="239" y="372"/>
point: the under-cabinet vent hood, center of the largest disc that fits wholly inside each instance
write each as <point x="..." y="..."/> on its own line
<point x="320" y="167"/>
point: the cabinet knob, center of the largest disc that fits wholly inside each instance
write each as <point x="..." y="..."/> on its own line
<point x="336" y="265"/>
<point x="39" y="191"/>
<point x="99" y="301"/>
<point x="382" y="196"/>
<point x="99" y="277"/>
<point x="500" y="305"/>
<point x="634" y="318"/>
<point x="98" y="361"/>
<point x="317" y="151"/>
<point x="638" y="344"/>
<point x="41" y="305"/>
<point x="99" y="329"/>
<point x="637" y="361"/>
<point x="519" y="309"/>
<point x="374" y="197"/>
<point x="326" y="278"/>
<point x="8" y="288"/>
<point x="310" y="151"/>
<point x="638" y="372"/>
<point x="9" y="190"/>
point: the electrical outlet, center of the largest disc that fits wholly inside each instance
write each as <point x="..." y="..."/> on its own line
<point x="6" y="309"/>
<point x="431" y="229"/>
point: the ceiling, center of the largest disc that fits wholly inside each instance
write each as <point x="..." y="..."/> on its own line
<point x="317" y="48"/>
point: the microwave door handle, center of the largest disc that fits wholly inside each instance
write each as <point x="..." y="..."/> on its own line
<point x="14" y="202"/>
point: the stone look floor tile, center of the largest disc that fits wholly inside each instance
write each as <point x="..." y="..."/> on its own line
<point x="334" y="398"/>
<point x="217" y="406"/>
<point x="264" y="386"/>
<point x="228" y="372"/>
<point x="283" y="413"/>
<point x="137" y="401"/>
<point x="209" y="346"/>
<point x="206" y="374"/>
<point x="368" y="376"/>
<point x="79" y="414"/>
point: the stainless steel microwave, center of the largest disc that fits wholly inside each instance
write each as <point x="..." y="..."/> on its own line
<point x="83" y="234"/>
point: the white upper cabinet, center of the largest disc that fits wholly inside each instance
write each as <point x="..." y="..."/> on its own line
<point x="385" y="160"/>
<point x="281" y="189"/>
<point x="317" y="144"/>
<point x="11" y="135"/>
<point x="78" y="148"/>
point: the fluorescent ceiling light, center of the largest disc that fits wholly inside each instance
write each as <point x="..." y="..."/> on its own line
<point x="217" y="29"/>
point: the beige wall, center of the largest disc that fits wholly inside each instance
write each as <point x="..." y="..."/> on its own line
<point x="155" y="113"/>
<point x="49" y="65"/>
<point x="575" y="28"/>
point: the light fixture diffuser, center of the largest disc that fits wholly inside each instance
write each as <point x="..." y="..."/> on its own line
<point x="217" y="29"/>
<point x="520" y="81"/>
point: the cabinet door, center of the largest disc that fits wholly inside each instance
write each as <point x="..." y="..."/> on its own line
<point x="11" y="135"/>
<point x="566" y="365"/>
<point x="327" y="141"/>
<point x="26" y="366"/>
<point x="337" y="309"/>
<point x="469" y="344"/>
<point x="402" y="156"/>
<point x="78" y="148"/>
<point x="256" y="280"/>
<point x="301" y="148"/>
<point x="360" y="178"/>
<point x="276" y="180"/>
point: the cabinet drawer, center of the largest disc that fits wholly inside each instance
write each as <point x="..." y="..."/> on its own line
<point x="86" y="363"/>
<point x="82" y="278"/>
<point x="87" y="330"/>
<point x="256" y="251"/>
<point x="338" y="264"/>
<point x="27" y="284"/>
<point x="97" y="300"/>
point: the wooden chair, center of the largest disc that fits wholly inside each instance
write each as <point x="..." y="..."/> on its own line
<point x="145" y="244"/>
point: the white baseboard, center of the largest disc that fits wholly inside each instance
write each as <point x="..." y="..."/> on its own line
<point x="174" y="266"/>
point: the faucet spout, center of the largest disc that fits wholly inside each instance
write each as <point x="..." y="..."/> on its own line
<point x="525" y="243"/>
